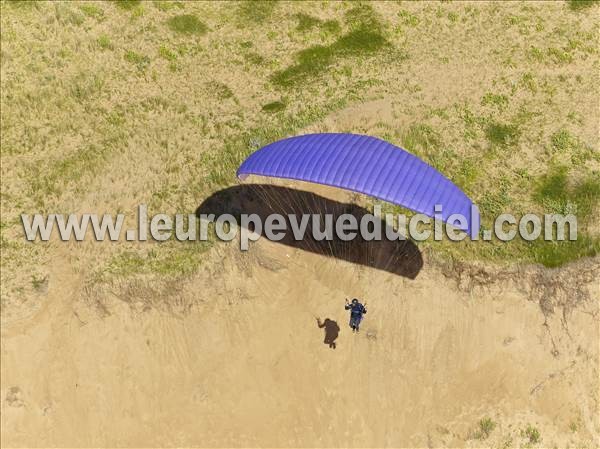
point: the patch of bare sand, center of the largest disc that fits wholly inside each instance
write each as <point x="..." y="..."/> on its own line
<point x="245" y="365"/>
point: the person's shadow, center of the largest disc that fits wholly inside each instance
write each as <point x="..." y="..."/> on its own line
<point x="332" y="330"/>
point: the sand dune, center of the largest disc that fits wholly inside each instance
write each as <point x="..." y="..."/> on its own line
<point x="246" y="364"/>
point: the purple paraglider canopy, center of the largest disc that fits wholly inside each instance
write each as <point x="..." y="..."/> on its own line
<point x="367" y="165"/>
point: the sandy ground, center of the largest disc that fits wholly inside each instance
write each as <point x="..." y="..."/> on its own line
<point x="246" y="364"/>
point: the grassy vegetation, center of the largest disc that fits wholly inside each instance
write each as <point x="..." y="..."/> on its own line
<point x="170" y="260"/>
<point x="126" y="102"/>
<point x="502" y="134"/>
<point x="224" y="163"/>
<point x="562" y="189"/>
<point x="486" y="427"/>
<point x="256" y="12"/>
<point x="532" y="434"/>
<point x="313" y="61"/>
<point x="274" y="106"/>
<point x="187" y="24"/>
<point x="93" y="11"/>
<point x="138" y="60"/>
<point x="419" y="138"/>
<point x="306" y="22"/>
<point x="364" y="38"/>
<point x="168" y="5"/>
<point x="128" y="5"/>
<point x="579" y="5"/>
<point x="554" y="254"/>
<point x="575" y="425"/>
<point x="104" y="42"/>
<point x="220" y="90"/>
<point x="560" y="196"/>
<point x="51" y="181"/>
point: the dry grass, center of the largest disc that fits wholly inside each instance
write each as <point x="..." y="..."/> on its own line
<point x="108" y="105"/>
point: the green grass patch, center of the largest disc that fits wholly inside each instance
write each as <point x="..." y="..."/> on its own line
<point x="496" y="200"/>
<point x="576" y="424"/>
<point x="502" y="134"/>
<point x="563" y="141"/>
<point x="92" y="11"/>
<point x="466" y="173"/>
<point x="274" y="106"/>
<point x="359" y="42"/>
<point x="128" y="5"/>
<point x="553" y="254"/>
<point x="498" y="100"/>
<point x="453" y="17"/>
<point x="364" y="39"/>
<point x="306" y="22"/>
<point x="332" y="26"/>
<point x="166" y="6"/>
<point x="555" y="193"/>
<point x="313" y="61"/>
<point x="220" y="90"/>
<point x="167" y="54"/>
<point x="528" y="82"/>
<point x="559" y="55"/>
<point x="363" y="16"/>
<point x="550" y="254"/>
<point x="583" y="154"/>
<point x="408" y="19"/>
<point x="140" y="61"/>
<point x="104" y="42"/>
<point x="553" y="184"/>
<point x="256" y="12"/>
<point x="486" y="427"/>
<point x="587" y="193"/>
<point x="442" y="160"/>
<point x="39" y="283"/>
<point x="425" y="142"/>
<point x="420" y="139"/>
<point x="580" y="5"/>
<point x="254" y="58"/>
<point x="535" y="54"/>
<point x="250" y="56"/>
<point x="187" y="24"/>
<point x="310" y="62"/>
<point x="552" y="54"/>
<point x="532" y="434"/>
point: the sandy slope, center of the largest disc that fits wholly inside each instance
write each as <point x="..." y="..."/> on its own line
<point x="246" y="365"/>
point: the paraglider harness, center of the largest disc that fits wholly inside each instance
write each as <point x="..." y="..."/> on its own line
<point x="357" y="310"/>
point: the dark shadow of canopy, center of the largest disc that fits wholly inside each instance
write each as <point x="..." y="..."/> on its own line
<point x="399" y="257"/>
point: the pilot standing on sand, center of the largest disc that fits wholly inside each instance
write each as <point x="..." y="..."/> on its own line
<point x="357" y="310"/>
